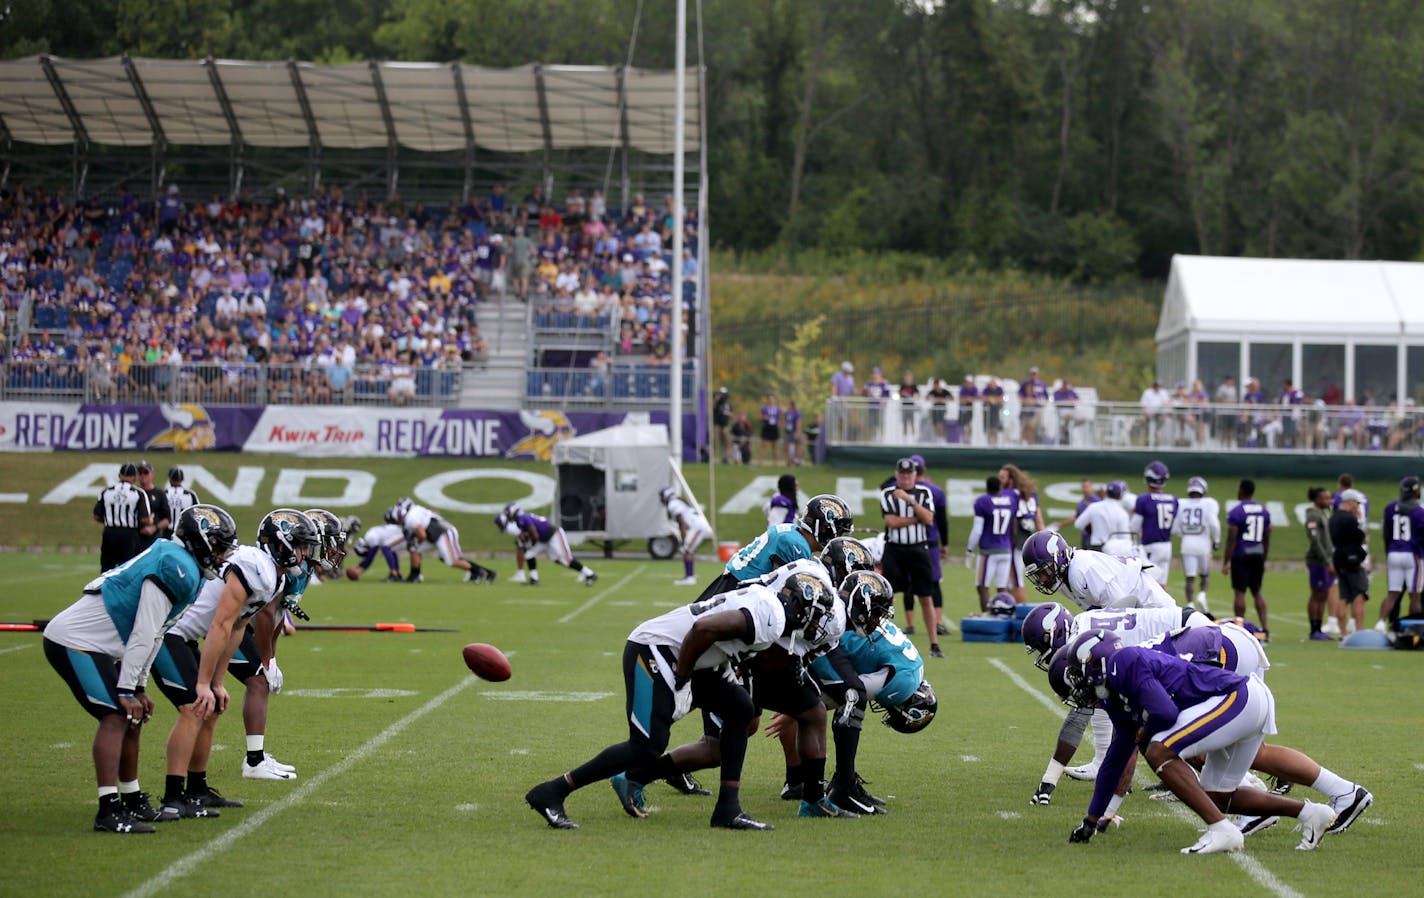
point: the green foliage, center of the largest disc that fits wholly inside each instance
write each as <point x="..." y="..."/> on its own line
<point x="801" y="373"/>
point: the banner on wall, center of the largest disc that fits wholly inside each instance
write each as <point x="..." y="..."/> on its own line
<point x="340" y="431"/>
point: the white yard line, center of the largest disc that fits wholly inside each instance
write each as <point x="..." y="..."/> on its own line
<point x="16" y="648"/>
<point x="188" y="864"/>
<point x="1252" y="867"/>
<point x="601" y="595"/>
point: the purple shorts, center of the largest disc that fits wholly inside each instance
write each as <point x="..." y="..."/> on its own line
<point x="1320" y="578"/>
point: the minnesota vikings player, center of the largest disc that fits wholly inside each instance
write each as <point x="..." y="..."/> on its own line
<point x="1152" y="519"/>
<point x="1198" y="523"/>
<point x="692" y="528"/>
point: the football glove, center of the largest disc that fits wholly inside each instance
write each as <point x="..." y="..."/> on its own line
<point x="682" y="698"/>
<point x="847" y="709"/>
<point x="274" y="676"/>
<point x="1044" y="794"/>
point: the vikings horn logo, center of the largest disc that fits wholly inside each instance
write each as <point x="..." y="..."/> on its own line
<point x="545" y="429"/>
<point x="190" y="429"/>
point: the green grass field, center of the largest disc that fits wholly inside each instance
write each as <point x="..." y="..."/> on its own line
<point x="412" y="771"/>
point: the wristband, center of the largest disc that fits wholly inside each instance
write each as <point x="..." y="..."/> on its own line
<point x="138" y="690"/>
<point x="124" y="694"/>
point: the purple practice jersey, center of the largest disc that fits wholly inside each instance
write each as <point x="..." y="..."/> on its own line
<point x="937" y="536"/>
<point x="784" y="508"/>
<point x="1252" y="522"/>
<point x="998" y="512"/>
<point x="541" y="526"/>
<point x="771" y="415"/>
<point x="1158" y="510"/>
<point x="1404" y="527"/>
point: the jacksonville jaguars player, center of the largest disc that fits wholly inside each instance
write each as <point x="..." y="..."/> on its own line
<point x="692" y="527"/>
<point x="682" y="658"/>
<point x="251" y="580"/>
<point x="535" y="536"/>
<point x="826" y="517"/>
<point x="103" y="645"/>
<point x="426" y="530"/>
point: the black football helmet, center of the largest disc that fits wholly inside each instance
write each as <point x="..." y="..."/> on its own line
<point x="808" y="605"/>
<point x="914" y="713"/>
<point x="827" y="517"/>
<point x="209" y="534"/>
<point x="290" y="537"/>
<point x="333" y="539"/>
<point x="844" y="555"/>
<point x="869" y="600"/>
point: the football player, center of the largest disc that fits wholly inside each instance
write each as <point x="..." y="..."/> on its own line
<point x="1198" y="523"/>
<point x="781" y="508"/>
<point x="535" y="536"/>
<point x="424" y="530"/>
<point x="989" y="552"/>
<point x="253" y="578"/>
<point x="385" y="539"/>
<point x="1152" y="519"/>
<point x="1105" y="524"/>
<point x="1404" y="546"/>
<point x="1090" y="579"/>
<point x="692" y="528"/>
<point x="103" y="645"/>
<point x="682" y="658"/>
<point x="826" y="517"/>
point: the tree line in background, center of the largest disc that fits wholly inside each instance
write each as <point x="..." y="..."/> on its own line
<point x="1080" y="139"/>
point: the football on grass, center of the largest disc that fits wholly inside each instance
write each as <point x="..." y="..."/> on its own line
<point x="353" y="573"/>
<point x="487" y="662"/>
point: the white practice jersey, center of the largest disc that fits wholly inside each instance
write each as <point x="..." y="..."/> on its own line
<point x="1136" y="626"/>
<point x="418" y="516"/>
<point x="1108" y="520"/>
<point x="687" y="515"/>
<point x="1098" y="580"/>
<point x="1198" y="523"/>
<point x="835" y="627"/>
<point x="760" y="605"/>
<point x="876" y="545"/>
<point x="389" y="535"/>
<point x="257" y="571"/>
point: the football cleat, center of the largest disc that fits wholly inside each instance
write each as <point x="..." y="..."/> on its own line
<point x="909" y="631"/>
<point x="1315" y="821"/>
<point x="685" y="581"/>
<point x="1249" y="826"/>
<point x="847" y="799"/>
<point x="393" y="577"/>
<point x="936" y="651"/>
<point x="792" y="792"/>
<point x="1086" y="773"/>
<point x="861" y="791"/>
<point x="518" y="577"/>
<point x="278" y="764"/>
<point x="212" y="798"/>
<point x="1280" y="786"/>
<point x="825" y="808"/>
<point x="941" y="630"/>
<point x="269" y="769"/>
<point x="415" y="578"/>
<point x="1217" y="839"/>
<point x="686" y="784"/>
<point x="588" y="577"/>
<point x="117" y="819"/>
<point x="183" y="808"/>
<point x="548" y="807"/>
<point x="488" y="576"/>
<point x="1349" y="807"/>
<point x="139" y="807"/>
<point x="741" y="821"/>
<point x="1043" y="794"/>
<point x="630" y="795"/>
<point x="1322" y="636"/>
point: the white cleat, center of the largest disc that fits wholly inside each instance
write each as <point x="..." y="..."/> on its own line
<point x="278" y="764"/>
<point x="685" y="581"/>
<point x="1315" y="821"/>
<point x="1086" y="773"/>
<point x="1216" y="839"/>
<point x="267" y="770"/>
<point x="518" y="577"/>
<point x="1249" y="826"/>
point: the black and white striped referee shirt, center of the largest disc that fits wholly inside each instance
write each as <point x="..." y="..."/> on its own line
<point x="180" y="499"/>
<point x="123" y="505"/>
<point x="913" y="534"/>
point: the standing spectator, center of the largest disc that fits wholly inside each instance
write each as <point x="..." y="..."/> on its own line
<point x="1065" y="401"/>
<point x="158" y="504"/>
<point x="1248" y="542"/>
<point x="1198" y="399"/>
<point x="521" y="262"/>
<point x="993" y="398"/>
<point x="1028" y="522"/>
<point x="1226" y="394"/>
<point x="179" y="498"/>
<point x="939" y="396"/>
<point x="843" y="381"/>
<point x="1404" y="545"/>
<point x="1156" y="401"/>
<point x="1152" y="519"/>
<point x="781" y="508"/>
<point x="770" y="429"/>
<point x="1198" y="523"/>
<point x="1319" y="560"/>
<point x="991" y="545"/>
<point x="1033" y="393"/>
<point x="909" y="394"/>
<point x="1249" y="421"/>
<point x="741" y="438"/>
<point x="1290" y="420"/>
<point x="812" y="435"/>
<point x="1349" y="539"/>
<point x="793" y="433"/>
<point x="722" y="421"/>
<point x="908" y="511"/>
<point x="877" y="390"/>
<point x="968" y="393"/>
<point x="124" y="510"/>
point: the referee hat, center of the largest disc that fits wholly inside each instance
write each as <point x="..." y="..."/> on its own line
<point x="905" y="464"/>
<point x="175" y="474"/>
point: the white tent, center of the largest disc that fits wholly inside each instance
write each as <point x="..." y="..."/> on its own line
<point x="1356" y="325"/>
<point x="607" y="482"/>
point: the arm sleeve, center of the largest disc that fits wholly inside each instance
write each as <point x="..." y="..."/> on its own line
<point x="841" y="663"/>
<point x="1135" y="524"/>
<point x="941" y="519"/>
<point x="1214" y="526"/>
<point x="1114" y="762"/>
<point x="974" y="533"/>
<point x="146" y="636"/>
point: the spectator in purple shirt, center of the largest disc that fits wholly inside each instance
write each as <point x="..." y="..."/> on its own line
<point x="1033" y="393"/>
<point x="968" y="393"/>
<point x="770" y="429"/>
<point x="843" y="381"/>
<point x="993" y="398"/>
<point x="1065" y="400"/>
<point x="1248" y="542"/>
<point x="793" y="433"/>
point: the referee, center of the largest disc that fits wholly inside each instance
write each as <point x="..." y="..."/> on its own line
<point x="178" y="496"/>
<point x="124" y="510"/>
<point x="908" y="509"/>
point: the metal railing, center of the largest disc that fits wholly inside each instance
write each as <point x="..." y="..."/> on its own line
<point x="622" y="385"/>
<point x="1108" y="425"/>
<point x="230" y="383"/>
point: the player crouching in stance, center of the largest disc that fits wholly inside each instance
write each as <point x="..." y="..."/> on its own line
<point x="692" y="529"/>
<point x="252" y="581"/>
<point x="684" y="658"/>
<point x="535" y="536"/>
<point x="424" y="530"/>
<point x="384" y="539"/>
<point x="103" y="644"/>
<point x="1170" y="707"/>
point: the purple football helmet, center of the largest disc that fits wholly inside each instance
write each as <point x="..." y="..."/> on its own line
<point x="1090" y="651"/>
<point x="1045" y="630"/>
<point x="1002" y="605"/>
<point x="1196" y="486"/>
<point x="1117" y="489"/>
<point x="1409" y="488"/>
<point x="1066" y="680"/>
<point x="1156" y="474"/>
<point x="1045" y="560"/>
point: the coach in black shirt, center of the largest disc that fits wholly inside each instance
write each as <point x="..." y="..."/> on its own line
<point x="908" y="509"/>
<point x="124" y="511"/>
<point x="158" y="505"/>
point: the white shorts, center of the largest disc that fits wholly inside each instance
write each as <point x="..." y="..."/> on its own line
<point x="1016" y="575"/>
<point x="1228" y="730"/>
<point x="1196" y="564"/>
<point x="557" y="548"/>
<point x="1246" y="656"/>
<point x="1160" y="557"/>
<point x="994" y="570"/>
<point x="1404" y="572"/>
<point x="448" y="545"/>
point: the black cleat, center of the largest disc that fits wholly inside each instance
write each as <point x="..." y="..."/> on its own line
<point x="489" y="576"/>
<point x="848" y="800"/>
<point x="684" y="783"/>
<point x="394" y="578"/>
<point x="1043" y="794"/>
<point x="139" y="807"/>
<point x="548" y="807"/>
<point x="741" y="821"/>
<point x="1280" y="786"/>
<point x="941" y="630"/>
<point x="909" y="631"/>
<point x="184" y="807"/>
<point x="790" y="792"/>
<point x="212" y="798"/>
<point x="861" y="791"/>
<point x="936" y="651"/>
<point x="117" y="819"/>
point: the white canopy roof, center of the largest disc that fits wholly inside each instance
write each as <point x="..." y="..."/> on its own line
<point x="1218" y="297"/>
<point x="424" y="106"/>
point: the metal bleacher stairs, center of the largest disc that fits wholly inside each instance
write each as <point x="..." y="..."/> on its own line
<point x="497" y="381"/>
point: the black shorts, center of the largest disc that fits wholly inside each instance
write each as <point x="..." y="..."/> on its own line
<point x="1246" y="572"/>
<point x="908" y="567"/>
<point x="650" y="701"/>
<point x="723" y="700"/>
<point x="779" y="687"/>
<point x="1353" y="584"/>
<point x="93" y="677"/>
<point x="770" y="433"/>
<point x="175" y="668"/>
<point x="725" y="582"/>
<point x="118" y="545"/>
